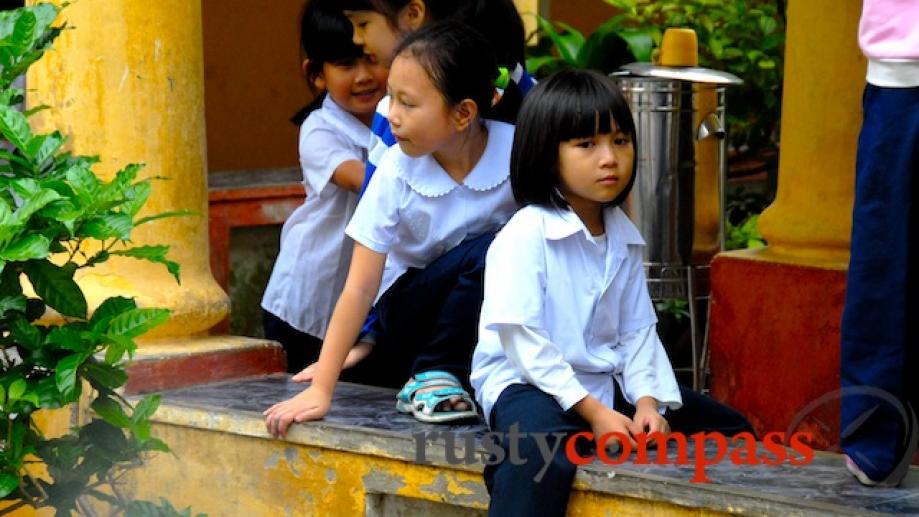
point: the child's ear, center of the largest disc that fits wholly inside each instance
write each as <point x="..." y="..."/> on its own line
<point x="464" y="114"/>
<point x="412" y="16"/>
<point x="318" y="81"/>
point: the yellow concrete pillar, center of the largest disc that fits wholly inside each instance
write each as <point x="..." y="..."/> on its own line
<point x="810" y="220"/>
<point x="127" y="83"/>
<point x="782" y="305"/>
<point x="527" y="9"/>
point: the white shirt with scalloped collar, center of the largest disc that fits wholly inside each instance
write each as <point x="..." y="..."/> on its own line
<point x="414" y="212"/>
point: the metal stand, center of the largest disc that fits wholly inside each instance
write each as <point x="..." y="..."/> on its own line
<point x="691" y="284"/>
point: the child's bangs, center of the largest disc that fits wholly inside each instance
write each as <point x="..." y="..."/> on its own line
<point x="593" y="110"/>
<point x="334" y="41"/>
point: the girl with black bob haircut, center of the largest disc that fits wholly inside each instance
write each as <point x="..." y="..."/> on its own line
<point x="567" y="107"/>
<point x="326" y="37"/>
<point x="568" y="346"/>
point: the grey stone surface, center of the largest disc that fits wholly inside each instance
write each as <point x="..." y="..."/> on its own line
<point x="250" y="178"/>
<point x="364" y="419"/>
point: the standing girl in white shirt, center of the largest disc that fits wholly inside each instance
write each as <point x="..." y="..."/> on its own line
<point x="313" y="260"/>
<point x="422" y="229"/>
<point x="566" y="313"/>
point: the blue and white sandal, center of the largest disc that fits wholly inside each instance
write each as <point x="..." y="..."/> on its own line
<point x="423" y="406"/>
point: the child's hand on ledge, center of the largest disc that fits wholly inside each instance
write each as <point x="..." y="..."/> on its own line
<point x="311" y="404"/>
<point x="605" y="421"/>
<point x="357" y="354"/>
<point x="648" y="417"/>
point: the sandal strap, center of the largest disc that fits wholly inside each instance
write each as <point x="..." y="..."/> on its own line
<point x="438" y="375"/>
<point x="426" y="380"/>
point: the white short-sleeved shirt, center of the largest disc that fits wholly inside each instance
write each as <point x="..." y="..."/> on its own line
<point x="414" y="212"/>
<point x="312" y="264"/>
<point x="590" y="307"/>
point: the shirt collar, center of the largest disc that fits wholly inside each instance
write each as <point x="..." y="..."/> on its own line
<point x="561" y="224"/>
<point x="426" y="177"/>
<point x="344" y="122"/>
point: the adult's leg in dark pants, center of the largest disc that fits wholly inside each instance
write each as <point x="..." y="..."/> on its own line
<point x="512" y="484"/>
<point x="699" y="413"/>
<point x="435" y="311"/>
<point x="875" y="351"/>
<point x="301" y="348"/>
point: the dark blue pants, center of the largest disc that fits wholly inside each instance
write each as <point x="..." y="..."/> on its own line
<point x="878" y="339"/>
<point x="699" y="413"/>
<point x="302" y="349"/>
<point x="513" y="488"/>
<point x="429" y="318"/>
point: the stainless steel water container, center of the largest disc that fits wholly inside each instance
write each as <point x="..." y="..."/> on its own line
<point x="677" y="201"/>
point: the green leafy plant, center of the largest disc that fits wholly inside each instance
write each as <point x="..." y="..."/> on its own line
<point x="744" y="235"/>
<point x="744" y="204"/>
<point x="56" y="218"/>
<point x="610" y="46"/>
<point x="744" y="37"/>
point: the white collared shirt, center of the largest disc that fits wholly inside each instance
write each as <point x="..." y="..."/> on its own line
<point x="568" y="316"/>
<point x="414" y="212"/>
<point x="313" y="261"/>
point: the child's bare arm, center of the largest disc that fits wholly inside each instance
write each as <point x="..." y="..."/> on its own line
<point x="357" y="354"/>
<point x="353" y="305"/>
<point x="349" y="176"/>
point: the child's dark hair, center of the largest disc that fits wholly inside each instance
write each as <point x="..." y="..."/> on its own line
<point x="497" y="20"/>
<point x="458" y="60"/>
<point x="325" y="37"/>
<point x="570" y="104"/>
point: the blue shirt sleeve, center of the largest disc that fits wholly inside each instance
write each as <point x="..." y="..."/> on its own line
<point x="381" y="136"/>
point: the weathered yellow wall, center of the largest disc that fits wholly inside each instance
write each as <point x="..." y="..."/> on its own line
<point x="228" y="474"/>
<point x="127" y="84"/>
<point x="810" y="220"/>
<point x="54" y="424"/>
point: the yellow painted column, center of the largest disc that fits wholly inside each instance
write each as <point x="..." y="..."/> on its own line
<point x="528" y="8"/>
<point x="127" y="83"/>
<point x="810" y="220"/>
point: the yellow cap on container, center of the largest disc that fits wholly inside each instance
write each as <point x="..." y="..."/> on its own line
<point x="679" y="47"/>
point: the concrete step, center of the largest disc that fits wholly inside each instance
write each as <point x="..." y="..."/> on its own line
<point x="363" y="459"/>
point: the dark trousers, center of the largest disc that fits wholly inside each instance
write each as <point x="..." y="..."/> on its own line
<point x="301" y="348"/>
<point x="878" y="340"/>
<point x="513" y="488"/>
<point x="429" y="318"/>
<point x="699" y="413"/>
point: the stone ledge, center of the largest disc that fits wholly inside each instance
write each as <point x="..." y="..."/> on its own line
<point x="175" y="363"/>
<point x="364" y="422"/>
